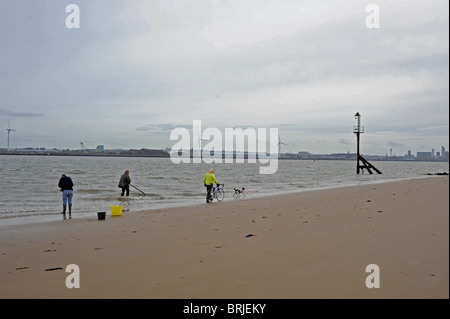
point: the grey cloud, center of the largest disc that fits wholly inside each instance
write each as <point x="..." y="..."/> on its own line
<point x="434" y="128"/>
<point x="19" y="114"/>
<point x="346" y="142"/>
<point x="160" y="127"/>
<point x="148" y="56"/>
<point x="394" y="144"/>
<point x="435" y="61"/>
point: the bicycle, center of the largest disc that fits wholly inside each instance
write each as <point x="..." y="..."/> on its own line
<point x="218" y="192"/>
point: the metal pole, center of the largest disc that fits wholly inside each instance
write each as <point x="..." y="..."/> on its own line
<point x="358" y="132"/>
<point x="357" y="152"/>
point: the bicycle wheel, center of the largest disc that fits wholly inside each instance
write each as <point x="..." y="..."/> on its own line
<point x="220" y="194"/>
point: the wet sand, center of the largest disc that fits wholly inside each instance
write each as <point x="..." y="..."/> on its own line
<point x="313" y="244"/>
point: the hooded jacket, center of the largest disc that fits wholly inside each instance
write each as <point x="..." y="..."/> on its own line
<point x="125" y="180"/>
<point x="209" y="179"/>
<point x="65" y="183"/>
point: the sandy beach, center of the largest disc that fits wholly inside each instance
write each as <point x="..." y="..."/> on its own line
<point x="313" y="244"/>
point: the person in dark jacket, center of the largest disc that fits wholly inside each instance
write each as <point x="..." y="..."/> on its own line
<point x="66" y="187"/>
<point x="125" y="182"/>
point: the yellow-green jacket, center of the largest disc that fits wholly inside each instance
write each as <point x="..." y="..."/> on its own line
<point x="209" y="179"/>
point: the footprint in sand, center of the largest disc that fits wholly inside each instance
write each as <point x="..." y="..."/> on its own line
<point x="22" y="268"/>
<point x="53" y="269"/>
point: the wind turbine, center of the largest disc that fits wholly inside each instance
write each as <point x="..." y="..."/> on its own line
<point x="200" y="140"/>
<point x="9" y="129"/>
<point x="279" y="146"/>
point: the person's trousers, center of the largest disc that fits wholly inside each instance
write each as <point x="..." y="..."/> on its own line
<point x="127" y="189"/>
<point x="209" y="189"/>
<point x="67" y="197"/>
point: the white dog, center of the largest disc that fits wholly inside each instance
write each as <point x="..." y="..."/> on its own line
<point x="239" y="193"/>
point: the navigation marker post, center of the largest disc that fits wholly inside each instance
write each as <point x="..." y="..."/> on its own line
<point x="358" y="129"/>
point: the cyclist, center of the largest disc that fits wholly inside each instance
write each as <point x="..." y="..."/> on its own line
<point x="209" y="181"/>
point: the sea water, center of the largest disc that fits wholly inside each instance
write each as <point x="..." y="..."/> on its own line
<point x="29" y="189"/>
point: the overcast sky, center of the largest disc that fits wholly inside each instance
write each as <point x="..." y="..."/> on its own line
<point x="135" y="70"/>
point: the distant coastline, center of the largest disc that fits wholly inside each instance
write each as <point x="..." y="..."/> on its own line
<point x="166" y="154"/>
<point x="106" y="153"/>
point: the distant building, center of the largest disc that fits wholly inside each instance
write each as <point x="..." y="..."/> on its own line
<point x="443" y="151"/>
<point x="100" y="148"/>
<point x="423" y="155"/>
<point x="303" y="154"/>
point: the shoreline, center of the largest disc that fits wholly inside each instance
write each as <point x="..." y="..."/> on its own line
<point x="319" y="157"/>
<point x="308" y="244"/>
<point x="35" y="219"/>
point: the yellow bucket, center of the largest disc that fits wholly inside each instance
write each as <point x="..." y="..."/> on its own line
<point x="116" y="210"/>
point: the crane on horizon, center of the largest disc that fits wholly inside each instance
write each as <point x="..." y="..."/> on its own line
<point x="9" y="129"/>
